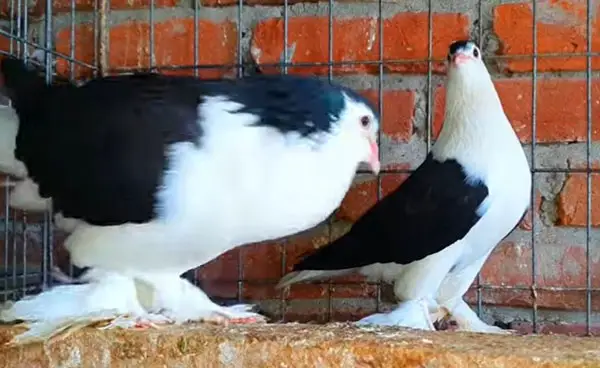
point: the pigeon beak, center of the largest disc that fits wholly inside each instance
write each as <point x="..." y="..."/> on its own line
<point x="374" y="158"/>
<point x="460" y="58"/>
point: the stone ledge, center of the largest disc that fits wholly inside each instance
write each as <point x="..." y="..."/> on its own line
<point x="298" y="345"/>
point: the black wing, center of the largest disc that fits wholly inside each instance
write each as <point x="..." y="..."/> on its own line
<point x="432" y="209"/>
<point x="99" y="150"/>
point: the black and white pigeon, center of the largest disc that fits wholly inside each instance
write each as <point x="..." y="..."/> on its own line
<point x="160" y="174"/>
<point x="432" y="235"/>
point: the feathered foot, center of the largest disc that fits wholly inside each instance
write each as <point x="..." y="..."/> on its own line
<point x="65" y="308"/>
<point x="411" y="313"/>
<point x="182" y="302"/>
<point x="467" y="320"/>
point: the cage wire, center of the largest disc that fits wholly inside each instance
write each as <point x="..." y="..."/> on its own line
<point x="19" y="278"/>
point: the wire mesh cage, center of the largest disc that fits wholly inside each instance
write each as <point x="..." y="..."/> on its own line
<point x="540" y="53"/>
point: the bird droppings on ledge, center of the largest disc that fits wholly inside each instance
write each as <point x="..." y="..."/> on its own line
<point x="297" y="345"/>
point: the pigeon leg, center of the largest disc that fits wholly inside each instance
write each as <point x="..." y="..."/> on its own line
<point x="450" y="296"/>
<point x="181" y="301"/>
<point x="410" y="313"/>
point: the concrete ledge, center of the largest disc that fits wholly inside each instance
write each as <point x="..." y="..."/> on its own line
<point x="298" y="345"/>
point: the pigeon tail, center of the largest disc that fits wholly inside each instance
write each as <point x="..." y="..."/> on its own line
<point x="345" y="253"/>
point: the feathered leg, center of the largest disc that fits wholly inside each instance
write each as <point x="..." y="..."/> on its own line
<point x="450" y="296"/>
<point x="103" y="296"/>
<point x="135" y="249"/>
<point x="181" y="301"/>
<point x="416" y="285"/>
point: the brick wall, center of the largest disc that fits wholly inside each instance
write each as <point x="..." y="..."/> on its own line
<point x="506" y="28"/>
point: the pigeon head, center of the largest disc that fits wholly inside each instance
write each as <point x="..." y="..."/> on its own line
<point x="468" y="79"/>
<point x="358" y="123"/>
<point x="465" y="63"/>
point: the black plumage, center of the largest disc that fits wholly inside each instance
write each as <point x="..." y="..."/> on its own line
<point x="432" y="209"/>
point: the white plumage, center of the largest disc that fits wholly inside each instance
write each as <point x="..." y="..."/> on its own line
<point x="476" y="139"/>
<point x="251" y="173"/>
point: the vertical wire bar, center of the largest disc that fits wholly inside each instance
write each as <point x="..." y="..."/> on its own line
<point x="240" y="52"/>
<point x="6" y="232"/>
<point x="98" y="35"/>
<point x="429" y="70"/>
<point x="196" y="37"/>
<point x="11" y="27"/>
<point x="72" y="74"/>
<point x="24" y="257"/>
<point x="480" y="42"/>
<point x="380" y="107"/>
<point x="14" y="256"/>
<point x="25" y="29"/>
<point x="72" y="43"/>
<point x="240" y="74"/>
<point x="588" y="77"/>
<point x="330" y="77"/>
<point x="151" y="46"/>
<point x="533" y="167"/>
<point x="18" y="26"/>
<point x="103" y="37"/>
<point x="285" y="35"/>
<point x="48" y="240"/>
<point x="284" y="70"/>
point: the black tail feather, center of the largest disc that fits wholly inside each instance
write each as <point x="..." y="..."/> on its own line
<point x="343" y="253"/>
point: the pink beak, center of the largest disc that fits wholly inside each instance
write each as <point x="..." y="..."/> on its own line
<point x="460" y="58"/>
<point x="374" y="158"/>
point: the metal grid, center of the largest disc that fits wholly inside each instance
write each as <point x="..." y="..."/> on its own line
<point x="16" y="280"/>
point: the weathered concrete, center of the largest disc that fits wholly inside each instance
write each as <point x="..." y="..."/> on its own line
<point x="296" y="345"/>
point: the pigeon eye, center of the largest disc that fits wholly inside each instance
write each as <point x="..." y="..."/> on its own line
<point x="365" y="121"/>
<point x="475" y="52"/>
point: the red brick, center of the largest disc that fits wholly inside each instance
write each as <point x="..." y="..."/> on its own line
<point x="219" y="3"/>
<point x="62" y="6"/>
<point x="260" y="291"/>
<point x="561" y="265"/>
<point x="391" y="182"/>
<point x="547" y="328"/>
<point x="307" y="291"/>
<point x="37" y="8"/>
<point x="223" y="268"/>
<point x="299" y="245"/>
<point x="555" y="123"/>
<point x="526" y="222"/>
<point x="4" y="45"/>
<point x="262" y="261"/>
<point x="561" y="28"/>
<point x="361" y="196"/>
<point x="353" y="291"/>
<point x="173" y="45"/>
<point x="357" y="40"/>
<point x="398" y="112"/>
<point x="220" y="289"/>
<point x="570" y="300"/>
<point x="572" y="201"/>
<point x="508" y="265"/>
<point x="262" y="265"/>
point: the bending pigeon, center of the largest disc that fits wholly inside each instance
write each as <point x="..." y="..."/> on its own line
<point x="160" y="174"/>
<point x="433" y="234"/>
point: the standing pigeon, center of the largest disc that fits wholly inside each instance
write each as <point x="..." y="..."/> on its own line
<point x="160" y="174"/>
<point x="433" y="234"/>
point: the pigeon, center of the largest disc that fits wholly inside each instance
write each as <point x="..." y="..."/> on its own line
<point x="432" y="235"/>
<point x="154" y="175"/>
